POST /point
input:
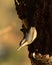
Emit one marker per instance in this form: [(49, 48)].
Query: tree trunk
[(43, 13)]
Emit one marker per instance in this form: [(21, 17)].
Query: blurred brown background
[(10, 36)]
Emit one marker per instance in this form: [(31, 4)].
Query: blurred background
[(10, 36)]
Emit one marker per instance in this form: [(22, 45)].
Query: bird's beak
[(16, 3), (30, 38)]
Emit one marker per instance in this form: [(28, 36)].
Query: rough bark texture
[(38, 13), (40, 60)]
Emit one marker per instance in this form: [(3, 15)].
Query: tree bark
[(43, 13), (38, 13)]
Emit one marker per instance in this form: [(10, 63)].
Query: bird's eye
[(17, 2)]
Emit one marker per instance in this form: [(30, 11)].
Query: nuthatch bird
[(31, 36)]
